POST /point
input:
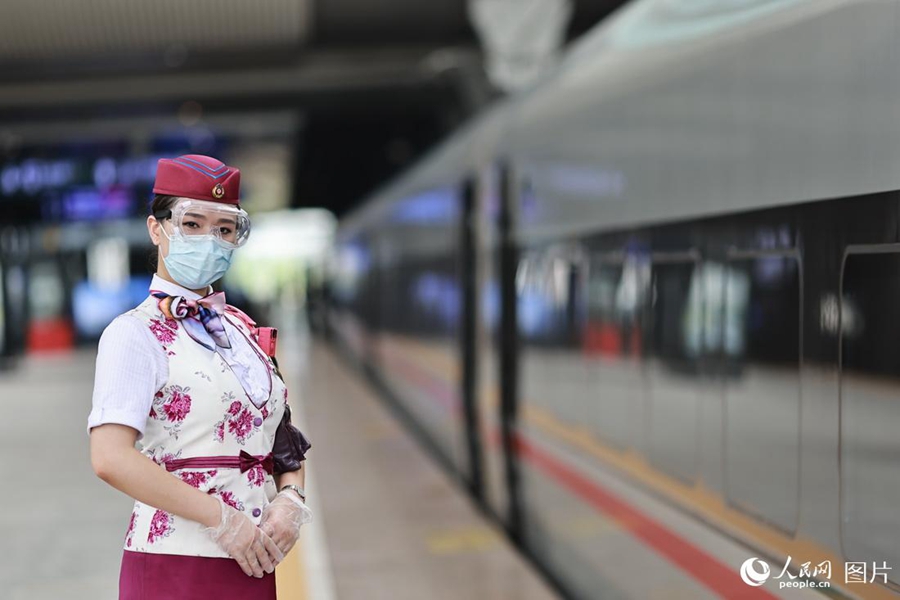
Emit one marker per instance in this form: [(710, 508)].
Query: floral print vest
[(202, 411)]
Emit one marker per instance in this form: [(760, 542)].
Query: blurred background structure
[(576, 298), (319, 102)]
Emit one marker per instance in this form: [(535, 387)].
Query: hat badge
[(218, 191)]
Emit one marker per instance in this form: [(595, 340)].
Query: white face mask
[(196, 261)]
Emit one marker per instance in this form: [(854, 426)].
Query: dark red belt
[(244, 462)]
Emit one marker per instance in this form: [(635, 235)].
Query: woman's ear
[(153, 227)]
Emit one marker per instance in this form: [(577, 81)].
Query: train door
[(493, 344), (468, 274)]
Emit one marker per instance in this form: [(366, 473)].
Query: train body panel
[(793, 104), (643, 309)]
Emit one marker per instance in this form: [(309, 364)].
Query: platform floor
[(389, 524)]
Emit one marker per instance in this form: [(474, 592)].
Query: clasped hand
[(282, 518), (242, 540)]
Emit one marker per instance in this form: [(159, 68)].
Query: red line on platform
[(700, 565)]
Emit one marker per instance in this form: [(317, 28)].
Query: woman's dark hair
[(162, 202), (159, 203)]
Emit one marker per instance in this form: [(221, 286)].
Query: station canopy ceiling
[(371, 83), (40, 38), (49, 30)]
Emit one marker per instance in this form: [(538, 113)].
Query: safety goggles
[(193, 219)]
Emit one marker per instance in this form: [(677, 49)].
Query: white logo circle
[(751, 576)]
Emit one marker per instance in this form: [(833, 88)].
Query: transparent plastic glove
[(243, 541), (282, 519)]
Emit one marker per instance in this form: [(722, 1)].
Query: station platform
[(388, 522)]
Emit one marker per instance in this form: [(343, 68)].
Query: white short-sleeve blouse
[(132, 366)]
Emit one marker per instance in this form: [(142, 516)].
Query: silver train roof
[(674, 110)]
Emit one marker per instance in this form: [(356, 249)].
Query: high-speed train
[(645, 309)]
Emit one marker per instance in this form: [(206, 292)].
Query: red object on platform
[(48, 335), (198, 177), (603, 339)]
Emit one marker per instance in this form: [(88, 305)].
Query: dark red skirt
[(169, 577)]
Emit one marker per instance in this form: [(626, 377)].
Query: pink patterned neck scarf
[(208, 310)]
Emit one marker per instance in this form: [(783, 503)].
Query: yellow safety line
[(290, 575)]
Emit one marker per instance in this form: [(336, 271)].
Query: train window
[(545, 282), (673, 364), (869, 388), (553, 376), (616, 290), (562, 292), (761, 346)]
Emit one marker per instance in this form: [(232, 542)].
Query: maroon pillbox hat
[(198, 177)]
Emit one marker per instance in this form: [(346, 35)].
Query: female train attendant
[(218, 484)]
